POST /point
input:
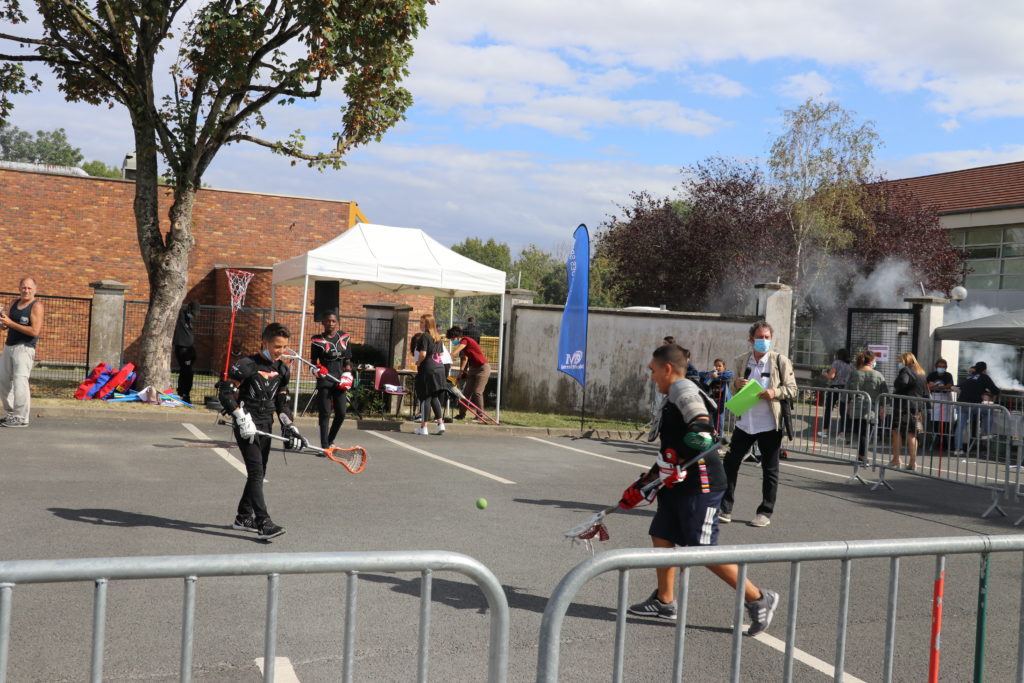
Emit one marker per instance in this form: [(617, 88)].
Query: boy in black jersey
[(331, 353), (688, 499), (262, 381)]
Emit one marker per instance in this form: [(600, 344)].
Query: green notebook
[(745, 399)]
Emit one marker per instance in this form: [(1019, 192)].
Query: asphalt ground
[(86, 487)]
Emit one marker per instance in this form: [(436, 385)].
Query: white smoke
[(886, 286), (1001, 359)]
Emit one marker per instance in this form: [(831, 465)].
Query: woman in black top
[(907, 412), (430, 380), (331, 351)]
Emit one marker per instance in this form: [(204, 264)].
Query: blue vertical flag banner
[(572, 338)]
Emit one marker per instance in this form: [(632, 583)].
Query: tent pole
[(273, 301), (451, 311), (302, 339), (501, 357)]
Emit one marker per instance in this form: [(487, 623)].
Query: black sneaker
[(269, 530), (653, 607), (761, 611), (244, 524)]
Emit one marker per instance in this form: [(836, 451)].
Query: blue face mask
[(266, 352), (902, 366), (762, 345)]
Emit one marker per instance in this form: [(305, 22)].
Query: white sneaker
[(440, 430), (421, 431), (822, 433)]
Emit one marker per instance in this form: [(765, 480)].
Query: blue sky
[(534, 116)]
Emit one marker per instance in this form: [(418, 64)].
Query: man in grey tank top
[(23, 321)]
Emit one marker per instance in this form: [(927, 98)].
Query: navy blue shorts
[(687, 520)]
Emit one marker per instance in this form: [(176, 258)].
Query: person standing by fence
[(837, 375), (762, 424), (862, 413), (23, 322), (940, 383), (184, 348), (906, 418), (973, 390), (430, 381)]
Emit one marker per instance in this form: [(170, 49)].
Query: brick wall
[(68, 231)]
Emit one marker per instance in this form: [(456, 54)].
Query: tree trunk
[(168, 280), (165, 259)]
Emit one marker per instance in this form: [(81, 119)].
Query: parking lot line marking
[(811, 469), (196, 432), (444, 460), (231, 460), (593, 455), (283, 670), (805, 658)]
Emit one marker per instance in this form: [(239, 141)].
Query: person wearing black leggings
[(332, 354)]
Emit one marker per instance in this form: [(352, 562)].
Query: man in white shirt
[(762, 424)]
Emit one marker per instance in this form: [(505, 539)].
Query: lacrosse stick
[(469, 405), (291, 355), (238, 282), (353, 459), (594, 527)]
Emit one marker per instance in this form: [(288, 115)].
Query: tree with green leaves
[(231, 63), (98, 169), (820, 165), (47, 147)]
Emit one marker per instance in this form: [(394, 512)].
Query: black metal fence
[(63, 347), (889, 332)]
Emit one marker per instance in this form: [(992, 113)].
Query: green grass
[(559, 421)]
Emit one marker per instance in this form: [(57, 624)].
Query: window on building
[(995, 256)]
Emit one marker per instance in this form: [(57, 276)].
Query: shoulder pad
[(685, 396), (241, 368)]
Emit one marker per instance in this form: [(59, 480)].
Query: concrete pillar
[(513, 297), (931, 314), (394, 344), (775, 304), (516, 297), (106, 323)]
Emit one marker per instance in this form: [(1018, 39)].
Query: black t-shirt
[(973, 389), (673, 429), (472, 331), (183, 333), (428, 348), (940, 377), (262, 390)]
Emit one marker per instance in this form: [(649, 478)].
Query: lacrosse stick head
[(589, 530), (353, 459), (238, 282)]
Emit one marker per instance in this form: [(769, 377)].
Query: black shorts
[(687, 520)]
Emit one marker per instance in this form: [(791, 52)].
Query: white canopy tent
[(1001, 328), (381, 258)]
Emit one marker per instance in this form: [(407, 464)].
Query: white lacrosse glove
[(246, 427), (668, 468)]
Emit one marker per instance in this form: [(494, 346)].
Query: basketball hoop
[(238, 282)]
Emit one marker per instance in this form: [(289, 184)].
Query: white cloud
[(717, 85), (951, 160), (801, 86), (455, 192)]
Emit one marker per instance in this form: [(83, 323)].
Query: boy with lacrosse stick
[(332, 355), (688, 499), (262, 381)]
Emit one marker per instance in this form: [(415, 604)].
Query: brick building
[(67, 231)]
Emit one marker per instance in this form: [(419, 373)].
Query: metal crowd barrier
[(974, 444), (191, 568), (794, 553)]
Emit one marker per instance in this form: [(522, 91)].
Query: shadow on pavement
[(468, 596), (120, 518)]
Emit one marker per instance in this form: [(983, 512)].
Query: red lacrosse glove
[(320, 371), (345, 381), (631, 497)]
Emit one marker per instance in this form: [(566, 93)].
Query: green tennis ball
[(481, 503)]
